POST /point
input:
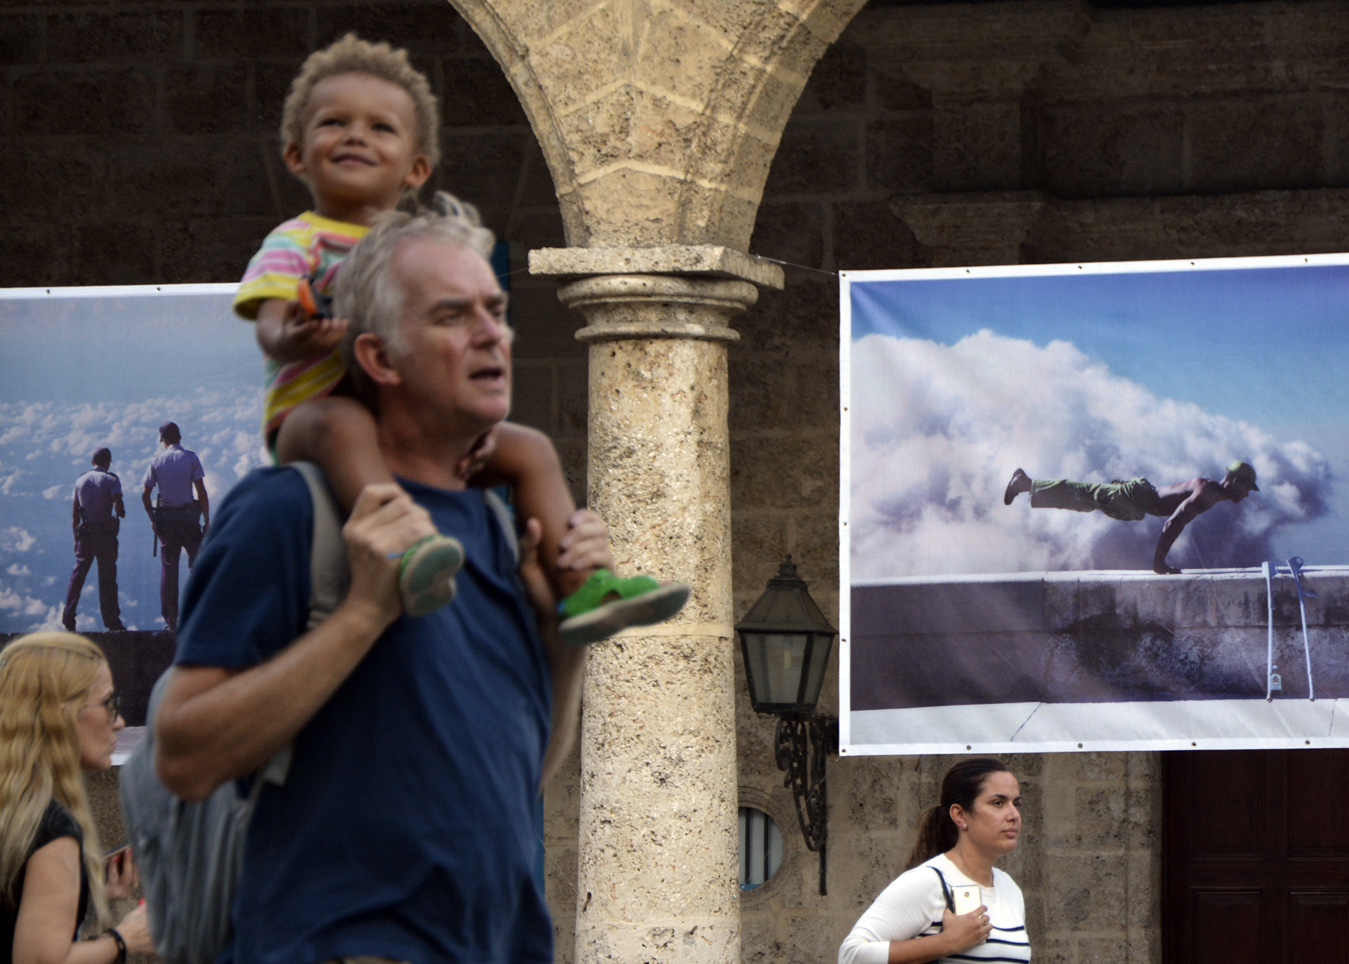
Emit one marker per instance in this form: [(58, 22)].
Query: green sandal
[(426, 574), (589, 615)]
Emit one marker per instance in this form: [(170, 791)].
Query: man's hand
[(216, 723), (584, 546), (537, 589), (384, 522), (586, 543)]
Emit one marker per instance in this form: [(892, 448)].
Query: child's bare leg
[(525, 459), (340, 435), (595, 603)]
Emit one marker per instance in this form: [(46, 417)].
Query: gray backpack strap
[(191, 854), (507, 520), (329, 574)]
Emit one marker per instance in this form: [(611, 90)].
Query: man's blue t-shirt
[(406, 826)]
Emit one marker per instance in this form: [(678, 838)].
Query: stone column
[(658, 843)]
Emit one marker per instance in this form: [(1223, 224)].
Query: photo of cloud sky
[(1165, 371), (84, 368)]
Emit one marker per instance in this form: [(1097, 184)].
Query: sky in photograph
[(957, 380), (80, 369)]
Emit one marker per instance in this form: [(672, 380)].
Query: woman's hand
[(966, 930), (135, 930), (119, 873)]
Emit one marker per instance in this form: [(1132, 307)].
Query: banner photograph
[(1095, 507), (86, 372)]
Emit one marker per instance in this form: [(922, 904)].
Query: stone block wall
[(1003, 133), (141, 147)]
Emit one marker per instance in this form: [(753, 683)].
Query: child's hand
[(304, 335), (288, 333), (472, 463)]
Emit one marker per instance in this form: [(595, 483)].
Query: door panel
[(1227, 922), (1255, 857)]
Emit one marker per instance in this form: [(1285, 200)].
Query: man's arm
[(145, 501), (584, 546), (75, 516), (1199, 502), (204, 502), (215, 724)]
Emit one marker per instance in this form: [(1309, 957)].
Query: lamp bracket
[(804, 742)]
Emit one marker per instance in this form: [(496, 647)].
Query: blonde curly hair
[(352, 55), (44, 679)]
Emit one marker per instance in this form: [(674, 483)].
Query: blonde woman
[(58, 717), (953, 905)]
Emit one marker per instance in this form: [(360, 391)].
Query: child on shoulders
[(360, 128)]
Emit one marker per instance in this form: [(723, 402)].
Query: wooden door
[(1255, 857)]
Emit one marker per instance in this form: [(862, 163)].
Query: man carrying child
[(406, 826)]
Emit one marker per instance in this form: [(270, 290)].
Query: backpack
[(190, 855)]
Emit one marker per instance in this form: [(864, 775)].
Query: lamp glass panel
[(756, 666), (784, 663), (819, 661)]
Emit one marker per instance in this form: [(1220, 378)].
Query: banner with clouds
[(83, 368), (981, 612)]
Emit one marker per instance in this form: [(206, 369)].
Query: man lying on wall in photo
[(1132, 500)]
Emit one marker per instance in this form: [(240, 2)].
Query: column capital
[(670, 291), (698, 260)]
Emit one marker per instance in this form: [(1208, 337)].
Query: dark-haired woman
[(914, 920)]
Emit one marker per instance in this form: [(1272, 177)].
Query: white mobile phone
[(967, 898)]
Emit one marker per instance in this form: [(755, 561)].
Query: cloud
[(45, 446), (9, 482), (14, 539), (16, 604), (937, 431), (19, 570), (220, 425)]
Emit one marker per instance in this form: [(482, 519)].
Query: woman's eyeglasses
[(113, 704)]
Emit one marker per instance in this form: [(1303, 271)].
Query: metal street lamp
[(786, 641)]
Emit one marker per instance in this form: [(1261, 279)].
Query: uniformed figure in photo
[(95, 515), (179, 520), (1132, 500)]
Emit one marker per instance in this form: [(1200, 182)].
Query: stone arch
[(658, 118)]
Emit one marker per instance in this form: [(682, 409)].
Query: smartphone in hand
[(967, 898)]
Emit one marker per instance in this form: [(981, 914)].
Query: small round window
[(760, 848)]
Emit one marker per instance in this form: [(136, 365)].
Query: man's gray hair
[(366, 294)]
